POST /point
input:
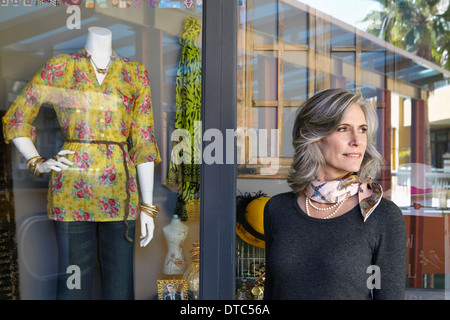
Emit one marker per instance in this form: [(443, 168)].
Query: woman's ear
[(318, 143)]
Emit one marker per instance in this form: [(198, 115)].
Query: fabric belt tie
[(127, 173)]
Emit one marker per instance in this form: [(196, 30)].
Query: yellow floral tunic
[(97, 121)]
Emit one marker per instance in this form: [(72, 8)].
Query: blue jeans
[(77, 245)]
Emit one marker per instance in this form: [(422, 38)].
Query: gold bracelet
[(31, 161), (150, 207), (150, 214), (36, 167), (151, 211), (33, 165)]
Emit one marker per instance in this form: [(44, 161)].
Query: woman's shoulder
[(276, 211), (388, 212), (281, 197), (389, 206), (280, 202)]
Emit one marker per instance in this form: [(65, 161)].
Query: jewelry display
[(338, 204), (175, 233), (100, 70), (258, 288), (31, 161), (191, 274), (151, 211), (243, 293), (33, 165)]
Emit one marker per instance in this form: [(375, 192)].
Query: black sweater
[(310, 258)]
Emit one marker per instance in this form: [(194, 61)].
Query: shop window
[(288, 51), (153, 34)]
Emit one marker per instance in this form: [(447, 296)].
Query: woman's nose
[(356, 138)]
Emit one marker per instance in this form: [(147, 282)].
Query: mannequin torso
[(99, 46), (175, 234)]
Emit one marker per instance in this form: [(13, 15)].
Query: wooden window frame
[(319, 51)]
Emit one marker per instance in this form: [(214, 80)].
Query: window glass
[(317, 45), (117, 125), (265, 25), (265, 70), (295, 29), (295, 75)]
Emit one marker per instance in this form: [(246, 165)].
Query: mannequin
[(108, 150), (99, 45), (175, 234)]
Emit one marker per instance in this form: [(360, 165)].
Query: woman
[(334, 236)]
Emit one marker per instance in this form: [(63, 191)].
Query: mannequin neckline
[(83, 52)]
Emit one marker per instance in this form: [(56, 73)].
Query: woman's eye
[(343, 129)]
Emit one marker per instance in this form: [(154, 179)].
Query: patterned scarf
[(186, 176), (369, 195)]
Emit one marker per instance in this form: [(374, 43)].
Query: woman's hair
[(319, 117)]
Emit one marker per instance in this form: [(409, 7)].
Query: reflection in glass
[(265, 118), (147, 35), (341, 37), (343, 70), (317, 50), (288, 124), (295, 29), (265, 22), (265, 76), (295, 75)]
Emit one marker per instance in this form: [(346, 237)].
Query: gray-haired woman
[(334, 236)]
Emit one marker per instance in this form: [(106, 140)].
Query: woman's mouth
[(352, 155)]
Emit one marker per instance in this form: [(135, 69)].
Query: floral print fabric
[(119, 110)]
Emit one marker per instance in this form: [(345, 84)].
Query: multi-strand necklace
[(337, 204)]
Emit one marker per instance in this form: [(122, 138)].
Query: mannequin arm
[(27, 148), (145, 173)]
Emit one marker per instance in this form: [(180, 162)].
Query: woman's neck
[(323, 177)]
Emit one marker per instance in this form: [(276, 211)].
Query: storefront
[(228, 76)]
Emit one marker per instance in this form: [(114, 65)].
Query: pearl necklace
[(324, 209), (338, 204)]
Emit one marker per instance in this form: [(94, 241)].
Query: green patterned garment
[(186, 176)]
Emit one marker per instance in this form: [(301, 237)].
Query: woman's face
[(344, 149)]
